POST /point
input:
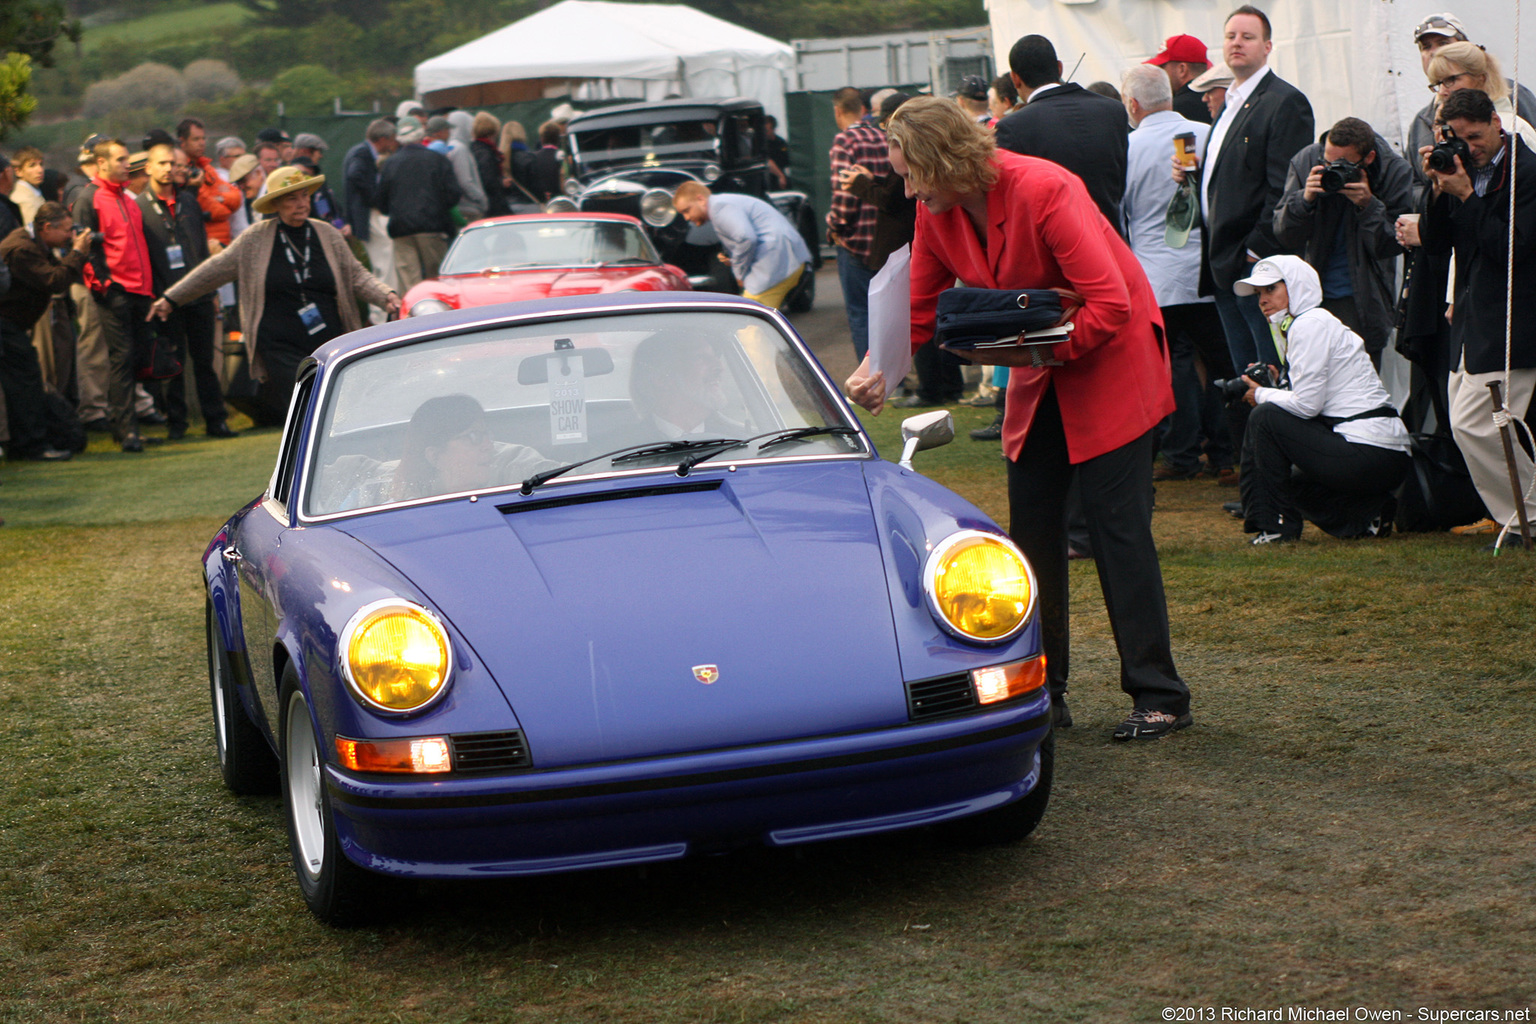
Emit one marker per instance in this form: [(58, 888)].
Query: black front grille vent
[(489, 751), (940, 696)]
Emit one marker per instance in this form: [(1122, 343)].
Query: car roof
[(660, 110), (475, 316), (517, 218)]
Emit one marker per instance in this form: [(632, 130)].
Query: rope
[(1503, 419)]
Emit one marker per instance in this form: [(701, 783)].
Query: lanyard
[(167, 218), (300, 264)]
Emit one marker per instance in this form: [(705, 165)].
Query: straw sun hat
[(285, 181)]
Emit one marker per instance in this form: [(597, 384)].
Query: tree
[(16, 103), (31, 27)]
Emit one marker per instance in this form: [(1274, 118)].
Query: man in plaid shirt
[(851, 222)]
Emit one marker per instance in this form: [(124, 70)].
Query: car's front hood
[(750, 609)]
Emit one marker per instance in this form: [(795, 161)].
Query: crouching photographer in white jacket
[(1331, 447)]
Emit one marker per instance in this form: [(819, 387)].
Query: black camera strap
[(1381, 412)]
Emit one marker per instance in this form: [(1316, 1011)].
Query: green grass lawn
[(1350, 822), (212, 20)]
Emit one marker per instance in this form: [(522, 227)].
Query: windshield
[(673, 140), (538, 243), (487, 410)]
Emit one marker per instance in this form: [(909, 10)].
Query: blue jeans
[(854, 276), (1247, 330)]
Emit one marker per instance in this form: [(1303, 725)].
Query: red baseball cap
[(1184, 48)]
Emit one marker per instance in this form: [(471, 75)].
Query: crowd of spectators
[(156, 260), (1400, 248)]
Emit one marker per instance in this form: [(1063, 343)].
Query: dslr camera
[(1340, 173), (1443, 157), (1233, 390)]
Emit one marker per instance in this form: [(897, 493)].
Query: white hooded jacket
[(1330, 373)]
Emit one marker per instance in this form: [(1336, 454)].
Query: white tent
[(600, 50), (1352, 58)]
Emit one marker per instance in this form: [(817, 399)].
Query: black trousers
[(21, 378), (1116, 490), (126, 330), (191, 330), (1342, 486), (939, 376), (1194, 330)]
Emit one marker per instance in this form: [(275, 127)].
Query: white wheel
[(337, 891)]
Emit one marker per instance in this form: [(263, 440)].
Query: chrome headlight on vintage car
[(425, 306), (395, 656), (979, 586), (572, 187), (711, 173), (560, 204), (656, 208)]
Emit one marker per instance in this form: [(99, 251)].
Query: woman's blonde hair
[(1470, 59), (484, 126), (945, 149)]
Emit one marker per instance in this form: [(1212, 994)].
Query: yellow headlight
[(980, 587), (397, 656)]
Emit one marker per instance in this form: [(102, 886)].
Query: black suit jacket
[(1084, 132), (1247, 179), (162, 230), (1191, 105), (360, 171), (1477, 228)]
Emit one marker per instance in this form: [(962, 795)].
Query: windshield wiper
[(630, 453), (773, 437)]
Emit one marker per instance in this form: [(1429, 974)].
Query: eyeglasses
[(1447, 80)]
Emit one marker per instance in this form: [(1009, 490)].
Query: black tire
[(803, 296), (245, 759), (1012, 822), (338, 892)]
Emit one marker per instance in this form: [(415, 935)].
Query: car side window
[(288, 456)]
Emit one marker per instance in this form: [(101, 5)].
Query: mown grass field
[(195, 19), (1350, 823)]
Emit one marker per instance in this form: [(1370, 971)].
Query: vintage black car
[(631, 158)]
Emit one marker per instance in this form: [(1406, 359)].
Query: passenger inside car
[(678, 385)]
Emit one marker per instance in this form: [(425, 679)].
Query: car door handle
[(233, 556)]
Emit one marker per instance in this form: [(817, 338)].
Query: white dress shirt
[(1237, 95)]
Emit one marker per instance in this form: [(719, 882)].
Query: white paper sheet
[(890, 319)]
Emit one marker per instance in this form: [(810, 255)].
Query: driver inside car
[(448, 450), (677, 385)]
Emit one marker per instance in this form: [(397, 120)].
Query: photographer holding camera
[(1340, 208), (1466, 210), (1336, 422)]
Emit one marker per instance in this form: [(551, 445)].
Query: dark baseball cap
[(973, 87), (273, 135)]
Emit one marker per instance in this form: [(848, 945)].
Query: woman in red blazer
[(994, 219)]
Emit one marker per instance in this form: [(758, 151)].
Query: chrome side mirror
[(924, 431)]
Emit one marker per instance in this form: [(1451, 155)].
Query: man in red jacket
[(121, 282), (218, 198)]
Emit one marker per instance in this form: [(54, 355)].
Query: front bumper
[(664, 808)]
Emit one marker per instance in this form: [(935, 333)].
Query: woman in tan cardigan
[(299, 287)]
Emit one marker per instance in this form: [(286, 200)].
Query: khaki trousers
[(90, 357), (418, 257), (1471, 407)]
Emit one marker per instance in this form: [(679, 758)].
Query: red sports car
[(536, 256)]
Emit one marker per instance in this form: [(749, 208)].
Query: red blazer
[(1043, 231)]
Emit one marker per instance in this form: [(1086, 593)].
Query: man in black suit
[(1066, 124), (177, 242), (1266, 122), (360, 172)]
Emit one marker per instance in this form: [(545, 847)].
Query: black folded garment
[(978, 316)]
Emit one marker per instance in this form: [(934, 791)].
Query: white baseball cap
[(1264, 272)]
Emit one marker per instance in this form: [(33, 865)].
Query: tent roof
[(598, 39)]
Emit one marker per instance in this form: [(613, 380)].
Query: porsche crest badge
[(706, 674)]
